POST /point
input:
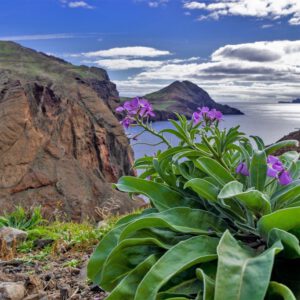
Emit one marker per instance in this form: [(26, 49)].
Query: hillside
[(60, 144), (183, 97)]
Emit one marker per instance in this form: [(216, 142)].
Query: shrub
[(224, 221), (21, 219)]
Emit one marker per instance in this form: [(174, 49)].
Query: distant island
[(183, 97), (297, 101)]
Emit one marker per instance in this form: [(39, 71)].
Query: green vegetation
[(52, 238), (223, 224), (21, 219)]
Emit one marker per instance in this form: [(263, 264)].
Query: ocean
[(270, 121)]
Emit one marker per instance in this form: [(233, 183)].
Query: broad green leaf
[(126, 256), (208, 286), (180, 219), (285, 219), (259, 142), (181, 257), (127, 287), (204, 189), (184, 289), (160, 195), (258, 170), (286, 194), (277, 146), (214, 169), (289, 241), (241, 273), (279, 290), (252, 199), (106, 245)]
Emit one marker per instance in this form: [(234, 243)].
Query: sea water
[(271, 121)]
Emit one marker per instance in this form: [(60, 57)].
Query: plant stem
[(155, 133)]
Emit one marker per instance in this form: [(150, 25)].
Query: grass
[(59, 237)]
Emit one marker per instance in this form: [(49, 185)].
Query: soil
[(52, 278)]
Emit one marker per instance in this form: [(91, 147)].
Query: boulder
[(12, 291), (12, 235)]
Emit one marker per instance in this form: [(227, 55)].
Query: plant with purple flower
[(276, 170)]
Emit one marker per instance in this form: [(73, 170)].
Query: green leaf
[(214, 169), (179, 258), (204, 189), (161, 196), (258, 170), (181, 219), (127, 287), (252, 199), (285, 219), (279, 291), (208, 286), (259, 142), (126, 256), (286, 195), (102, 251), (288, 240), (277, 146), (242, 274)]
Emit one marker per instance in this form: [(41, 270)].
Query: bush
[(21, 219), (224, 219)]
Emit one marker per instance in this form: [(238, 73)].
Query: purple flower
[(242, 169), (132, 106), (276, 170), (120, 109), (275, 166), (214, 115), (204, 110), (285, 178), (271, 172), (126, 122), (197, 117), (145, 109)]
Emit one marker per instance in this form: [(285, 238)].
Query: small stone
[(11, 235), (12, 291)]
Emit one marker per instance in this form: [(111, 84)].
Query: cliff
[(60, 144)]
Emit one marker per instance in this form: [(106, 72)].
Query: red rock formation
[(60, 144)]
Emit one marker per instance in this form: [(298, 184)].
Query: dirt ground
[(52, 278)]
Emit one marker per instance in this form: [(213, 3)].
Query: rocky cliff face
[(60, 144), (184, 98)]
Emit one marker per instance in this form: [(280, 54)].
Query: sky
[(237, 50)]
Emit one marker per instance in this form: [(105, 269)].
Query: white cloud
[(265, 26), (126, 64), (76, 4), (79, 4), (194, 5), (270, 9), (135, 51), (157, 3), (261, 70), (34, 37)]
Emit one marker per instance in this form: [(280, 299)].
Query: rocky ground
[(58, 277)]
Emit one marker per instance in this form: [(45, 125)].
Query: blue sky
[(235, 49)]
